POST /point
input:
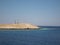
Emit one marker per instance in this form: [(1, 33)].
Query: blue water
[(44, 36)]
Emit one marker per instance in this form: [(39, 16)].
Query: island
[(18, 26)]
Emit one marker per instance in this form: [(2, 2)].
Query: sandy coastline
[(18, 26)]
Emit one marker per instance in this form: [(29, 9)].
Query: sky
[(38, 12)]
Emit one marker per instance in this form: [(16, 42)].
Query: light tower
[(16, 22)]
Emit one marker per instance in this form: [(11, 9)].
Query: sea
[(46, 35)]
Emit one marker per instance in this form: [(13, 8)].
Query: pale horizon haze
[(38, 12)]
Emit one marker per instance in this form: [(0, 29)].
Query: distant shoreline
[(21, 26), (18, 29)]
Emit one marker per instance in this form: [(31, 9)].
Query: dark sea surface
[(44, 36)]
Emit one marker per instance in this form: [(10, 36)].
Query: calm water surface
[(44, 36)]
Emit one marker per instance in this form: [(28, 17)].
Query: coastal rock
[(18, 26)]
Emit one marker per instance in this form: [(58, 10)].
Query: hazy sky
[(39, 12)]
